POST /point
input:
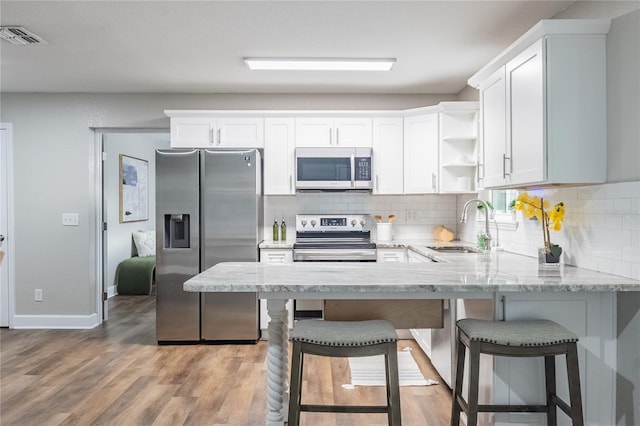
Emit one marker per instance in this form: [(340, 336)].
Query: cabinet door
[(241, 132), (388, 156), (314, 132), (187, 132), (276, 255), (591, 316), (391, 255), (493, 130), (525, 116), (353, 132), (279, 153), (421, 154)]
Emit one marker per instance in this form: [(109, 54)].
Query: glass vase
[(545, 258)]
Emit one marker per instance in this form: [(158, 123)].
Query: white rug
[(369, 371)]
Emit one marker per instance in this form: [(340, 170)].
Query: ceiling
[(198, 46)]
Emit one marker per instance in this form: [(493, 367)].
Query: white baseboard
[(111, 291), (55, 321)]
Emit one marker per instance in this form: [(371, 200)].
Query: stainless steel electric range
[(330, 238)]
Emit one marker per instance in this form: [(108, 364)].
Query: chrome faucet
[(463, 218)]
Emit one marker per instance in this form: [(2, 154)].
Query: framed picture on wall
[(134, 189)]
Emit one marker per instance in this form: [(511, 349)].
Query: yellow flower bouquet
[(551, 220)]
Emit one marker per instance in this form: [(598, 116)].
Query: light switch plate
[(70, 219)]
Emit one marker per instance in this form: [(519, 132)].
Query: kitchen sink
[(453, 249)]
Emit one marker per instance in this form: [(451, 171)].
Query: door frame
[(100, 206), (9, 260)]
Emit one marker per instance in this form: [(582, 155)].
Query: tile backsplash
[(416, 215), (601, 230)]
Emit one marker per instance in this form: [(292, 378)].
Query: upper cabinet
[(388, 155), (421, 154), (203, 131), (279, 153), (458, 147), (543, 107), (330, 131)]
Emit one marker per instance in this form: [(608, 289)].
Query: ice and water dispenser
[(176, 231)]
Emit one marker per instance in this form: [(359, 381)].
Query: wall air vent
[(20, 35)]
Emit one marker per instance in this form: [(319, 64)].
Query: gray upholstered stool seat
[(521, 338), (345, 339)]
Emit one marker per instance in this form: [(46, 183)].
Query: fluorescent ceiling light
[(320, 64)]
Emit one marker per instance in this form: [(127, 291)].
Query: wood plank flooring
[(116, 374)]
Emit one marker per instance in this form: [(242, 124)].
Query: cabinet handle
[(290, 182), (330, 136), (478, 166), (503, 301), (211, 138), (377, 183), (433, 181), (337, 136), (504, 166), (219, 137)]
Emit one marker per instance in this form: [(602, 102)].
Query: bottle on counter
[(283, 231), (276, 230)]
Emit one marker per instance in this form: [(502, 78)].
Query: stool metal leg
[(474, 383), (575, 397), (295, 392), (550, 381), (393, 385), (457, 389)]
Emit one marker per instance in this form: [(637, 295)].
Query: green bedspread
[(136, 275)]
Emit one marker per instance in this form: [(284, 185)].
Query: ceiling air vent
[(20, 35)]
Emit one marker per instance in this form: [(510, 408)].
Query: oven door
[(305, 309)]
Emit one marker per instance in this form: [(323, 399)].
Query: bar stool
[(522, 338), (345, 339)]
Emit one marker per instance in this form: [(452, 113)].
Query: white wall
[(138, 145), (54, 163), (416, 215)]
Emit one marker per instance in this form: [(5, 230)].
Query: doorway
[(6, 226), (117, 243)]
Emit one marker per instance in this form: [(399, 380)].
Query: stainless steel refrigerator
[(208, 210)]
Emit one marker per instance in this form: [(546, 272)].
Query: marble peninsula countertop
[(487, 272)]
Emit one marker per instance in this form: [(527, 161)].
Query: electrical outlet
[(38, 295), (70, 219)]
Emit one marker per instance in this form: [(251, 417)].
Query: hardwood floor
[(116, 374)]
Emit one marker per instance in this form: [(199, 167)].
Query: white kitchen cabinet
[(493, 130), (217, 132), (279, 156), (421, 154), (388, 155), (546, 97), (274, 255), (333, 131), (458, 131), (391, 255), (591, 316)]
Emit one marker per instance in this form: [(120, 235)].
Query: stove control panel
[(333, 222)]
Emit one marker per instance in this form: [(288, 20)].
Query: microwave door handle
[(353, 170)]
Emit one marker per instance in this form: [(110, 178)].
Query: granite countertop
[(270, 244), (471, 272)]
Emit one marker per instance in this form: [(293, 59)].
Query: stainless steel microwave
[(333, 169)]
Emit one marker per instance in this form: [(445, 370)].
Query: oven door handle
[(310, 255)]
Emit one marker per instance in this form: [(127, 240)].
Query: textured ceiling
[(198, 46)]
